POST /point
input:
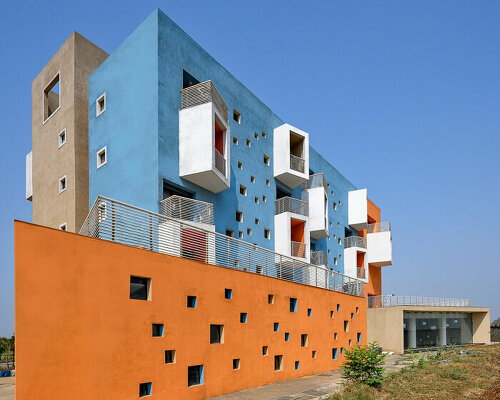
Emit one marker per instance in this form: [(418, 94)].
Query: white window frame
[(59, 138), (65, 225), (97, 112), (65, 184), (105, 150), (43, 98)]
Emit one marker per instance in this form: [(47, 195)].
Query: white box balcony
[(355, 257), (379, 244), (291, 155), (357, 208), (204, 151), (29, 176), (314, 192), (291, 228)]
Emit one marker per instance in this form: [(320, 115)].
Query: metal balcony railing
[(202, 93), (297, 163), (220, 162), (379, 227), (122, 223), (388, 301), (186, 209), (298, 249), (319, 258), (290, 204), (361, 273), (316, 180), (355, 241)]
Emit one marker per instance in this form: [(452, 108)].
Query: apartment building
[(234, 254)]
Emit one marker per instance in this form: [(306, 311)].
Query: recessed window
[(145, 389), (235, 141), (140, 288), (264, 135), (334, 206), (102, 157), (257, 221), (256, 200), (228, 294), (309, 312), (278, 363), (338, 307), (229, 233), (270, 298), (266, 160), (340, 202), (195, 375), (264, 199), (304, 338), (239, 216), (240, 234), (259, 269), (332, 314), (338, 224), (249, 232), (335, 336), (236, 363), (297, 364), (341, 350), (62, 137), (346, 326), (51, 98), (287, 336), (240, 165), (335, 260), (252, 179), (256, 136), (265, 350), (237, 116), (216, 334), (157, 330), (358, 337), (350, 341), (101, 211), (334, 354), (328, 251), (169, 356), (243, 317), (243, 190), (293, 304), (267, 234), (63, 226), (100, 104), (268, 182), (62, 184), (191, 301), (352, 315), (339, 240), (276, 327), (357, 310), (249, 143), (313, 354)]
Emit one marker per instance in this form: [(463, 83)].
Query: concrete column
[(442, 331), (412, 332)]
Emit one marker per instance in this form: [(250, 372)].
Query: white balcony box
[(204, 151), (357, 208), (29, 176), (379, 244), (314, 193), (355, 257), (291, 155)]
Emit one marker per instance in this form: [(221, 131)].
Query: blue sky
[(402, 97)]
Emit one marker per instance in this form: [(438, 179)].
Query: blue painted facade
[(142, 80)]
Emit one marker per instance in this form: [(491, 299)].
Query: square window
[(236, 363), (216, 334), (256, 200), (278, 363), (229, 233), (276, 327), (293, 304), (169, 356), (297, 364), (309, 312), (249, 143), (228, 294), (63, 226), (335, 336), (358, 337), (267, 234), (102, 157), (240, 234), (313, 354), (287, 336), (270, 298), (243, 190), (239, 216), (264, 135), (62, 184), (157, 330), (100, 104), (145, 389), (51, 98), (346, 326), (304, 338), (265, 350), (195, 375), (334, 354), (240, 165), (237, 116), (252, 179), (266, 160), (243, 317), (62, 137), (191, 301), (257, 221), (235, 141), (140, 288), (249, 232)]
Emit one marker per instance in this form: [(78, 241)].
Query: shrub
[(364, 364)]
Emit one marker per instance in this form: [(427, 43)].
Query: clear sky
[(402, 97)]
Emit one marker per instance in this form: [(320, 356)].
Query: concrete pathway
[(7, 388), (305, 388)]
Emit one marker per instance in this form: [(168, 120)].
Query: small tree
[(364, 364)]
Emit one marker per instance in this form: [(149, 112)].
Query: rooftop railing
[(297, 163), (129, 225), (290, 204), (379, 227), (220, 162), (389, 301), (186, 209), (202, 93), (316, 180), (319, 258), (361, 273), (354, 241)]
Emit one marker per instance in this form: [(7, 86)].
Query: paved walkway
[(7, 388), (305, 388)]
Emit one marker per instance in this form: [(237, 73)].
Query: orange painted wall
[(374, 286), (297, 230), (219, 138), (79, 336)]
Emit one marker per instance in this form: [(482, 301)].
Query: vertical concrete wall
[(74, 62), (80, 336)]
